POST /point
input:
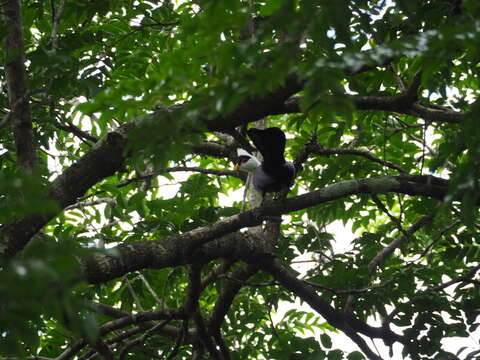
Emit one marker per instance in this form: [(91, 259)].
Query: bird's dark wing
[(271, 144), (282, 177)]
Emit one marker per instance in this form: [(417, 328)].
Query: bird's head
[(246, 162)]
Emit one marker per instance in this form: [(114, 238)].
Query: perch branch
[(180, 249)]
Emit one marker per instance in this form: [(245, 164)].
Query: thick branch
[(17, 85), (201, 243), (167, 252), (256, 108), (107, 157), (213, 149), (401, 104), (103, 160)]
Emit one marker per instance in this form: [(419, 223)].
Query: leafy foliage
[(362, 88)]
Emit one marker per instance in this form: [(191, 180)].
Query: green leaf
[(326, 341)]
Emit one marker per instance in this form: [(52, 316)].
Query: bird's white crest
[(242, 152), (249, 165)]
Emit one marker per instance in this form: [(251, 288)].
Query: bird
[(273, 174), (246, 161)]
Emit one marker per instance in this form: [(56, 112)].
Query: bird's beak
[(237, 167)]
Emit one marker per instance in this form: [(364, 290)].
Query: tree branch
[(141, 339), (228, 293), (313, 147), (107, 157), (256, 108), (193, 309), (465, 277), (103, 160), (235, 173), (399, 240), (108, 310), (341, 320), (220, 240), (137, 318), (16, 79), (397, 222), (179, 340), (103, 350), (27, 358), (82, 204), (56, 22), (402, 104), (214, 149), (69, 127)]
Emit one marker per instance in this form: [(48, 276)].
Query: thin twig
[(82, 204), (151, 291), (179, 341), (56, 23), (315, 148), (348, 291), (245, 283), (397, 242), (132, 292), (463, 278), (216, 273), (69, 127), (399, 81), (141, 27), (142, 338), (382, 207), (438, 237), (234, 173)]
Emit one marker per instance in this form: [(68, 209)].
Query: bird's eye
[(243, 159)]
